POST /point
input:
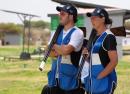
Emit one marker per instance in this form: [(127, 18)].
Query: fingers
[(85, 51)]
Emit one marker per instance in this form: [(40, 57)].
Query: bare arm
[(111, 66), (75, 43), (63, 49)]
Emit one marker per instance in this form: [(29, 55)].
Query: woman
[(101, 76)]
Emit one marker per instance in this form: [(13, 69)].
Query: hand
[(100, 76), (55, 46), (85, 51), (53, 52), (57, 49)]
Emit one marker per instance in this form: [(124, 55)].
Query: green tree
[(10, 27), (38, 24)]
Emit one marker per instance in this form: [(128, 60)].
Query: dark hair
[(75, 18), (74, 15), (108, 21)]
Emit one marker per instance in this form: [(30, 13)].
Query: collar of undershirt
[(66, 32)]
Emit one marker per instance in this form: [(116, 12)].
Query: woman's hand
[(85, 51), (111, 66)]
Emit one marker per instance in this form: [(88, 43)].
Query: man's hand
[(53, 53)]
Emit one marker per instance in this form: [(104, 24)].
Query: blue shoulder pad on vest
[(66, 40), (98, 43)]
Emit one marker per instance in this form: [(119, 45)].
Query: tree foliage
[(17, 28), (38, 24), (10, 27)]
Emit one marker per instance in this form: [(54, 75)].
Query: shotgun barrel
[(50, 46)]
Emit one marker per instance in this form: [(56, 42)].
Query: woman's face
[(97, 21)]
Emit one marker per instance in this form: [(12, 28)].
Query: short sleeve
[(76, 39), (110, 42)]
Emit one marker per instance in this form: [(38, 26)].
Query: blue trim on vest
[(66, 40), (67, 79), (98, 43), (52, 74), (99, 86)]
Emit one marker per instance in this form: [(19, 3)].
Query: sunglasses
[(62, 13), (95, 17)]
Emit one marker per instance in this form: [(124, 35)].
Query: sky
[(37, 7), (44, 7), (124, 4)]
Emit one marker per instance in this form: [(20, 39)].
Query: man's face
[(97, 21), (64, 17)]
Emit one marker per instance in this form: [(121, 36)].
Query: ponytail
[(108, 22)]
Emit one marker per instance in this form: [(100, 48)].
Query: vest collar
[(98, 43)]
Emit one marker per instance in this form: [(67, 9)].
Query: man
[(103, 56), (64, 70)]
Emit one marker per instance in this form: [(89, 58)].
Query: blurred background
[(26, 27)]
